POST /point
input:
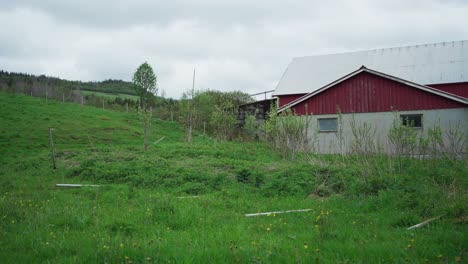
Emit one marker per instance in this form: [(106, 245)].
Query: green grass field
[(137, 216)]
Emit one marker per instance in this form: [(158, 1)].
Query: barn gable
[(366, 90)]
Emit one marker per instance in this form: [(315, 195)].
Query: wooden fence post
[(52, 154)]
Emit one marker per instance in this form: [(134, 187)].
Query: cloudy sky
[(234, 45)]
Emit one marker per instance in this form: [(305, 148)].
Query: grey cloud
[(240, 45)]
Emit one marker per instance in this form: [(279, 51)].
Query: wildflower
[(121, 245), (316, 226), (268, 229), (412, 240), (305, 245), (354, 222), (148, 259), (457, 259), (409, 246), (317, 250)]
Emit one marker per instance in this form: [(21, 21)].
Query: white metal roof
[(445, 62)]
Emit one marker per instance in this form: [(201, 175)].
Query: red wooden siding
[(367, 92), (460, 89), (286, 99)]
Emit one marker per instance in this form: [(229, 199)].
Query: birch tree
[(145, 83)]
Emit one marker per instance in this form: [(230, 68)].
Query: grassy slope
[(110, 96), (137, 215)]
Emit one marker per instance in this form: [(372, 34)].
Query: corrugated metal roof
[(436, 63)]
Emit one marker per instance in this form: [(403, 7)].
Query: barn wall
[(327, 142), (286, 99), (460, 89), (367, 92)]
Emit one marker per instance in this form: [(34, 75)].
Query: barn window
[(414, 120), (328, 124)]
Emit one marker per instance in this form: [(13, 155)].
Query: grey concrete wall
[(328, 142)]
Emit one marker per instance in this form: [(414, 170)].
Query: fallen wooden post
[(69, 185), (278, 212), (159, 140), (423, 223), (185, 197)]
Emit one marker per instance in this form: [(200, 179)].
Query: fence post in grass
[(52, 154), (63, 97), (103, 104), (82, 100), (204, 128), (127, 107)]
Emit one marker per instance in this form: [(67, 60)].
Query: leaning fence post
[(52, 154)]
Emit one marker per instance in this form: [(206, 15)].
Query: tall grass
[(137, 217)]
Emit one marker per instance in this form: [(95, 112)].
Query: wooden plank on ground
[(423, 223), (70, 185), (186, 197), (278, 212)]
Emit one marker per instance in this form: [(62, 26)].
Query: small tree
[(144, 80)]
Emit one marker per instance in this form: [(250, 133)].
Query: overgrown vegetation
[(137, 215)]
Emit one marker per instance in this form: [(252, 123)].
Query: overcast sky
[(234, 45)]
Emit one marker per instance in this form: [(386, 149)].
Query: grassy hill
[(146, 211)]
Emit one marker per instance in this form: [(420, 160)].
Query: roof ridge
[(382, 49)]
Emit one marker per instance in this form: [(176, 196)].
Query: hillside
[(185, 203)]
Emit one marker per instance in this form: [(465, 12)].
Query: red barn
[(424, 84)]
